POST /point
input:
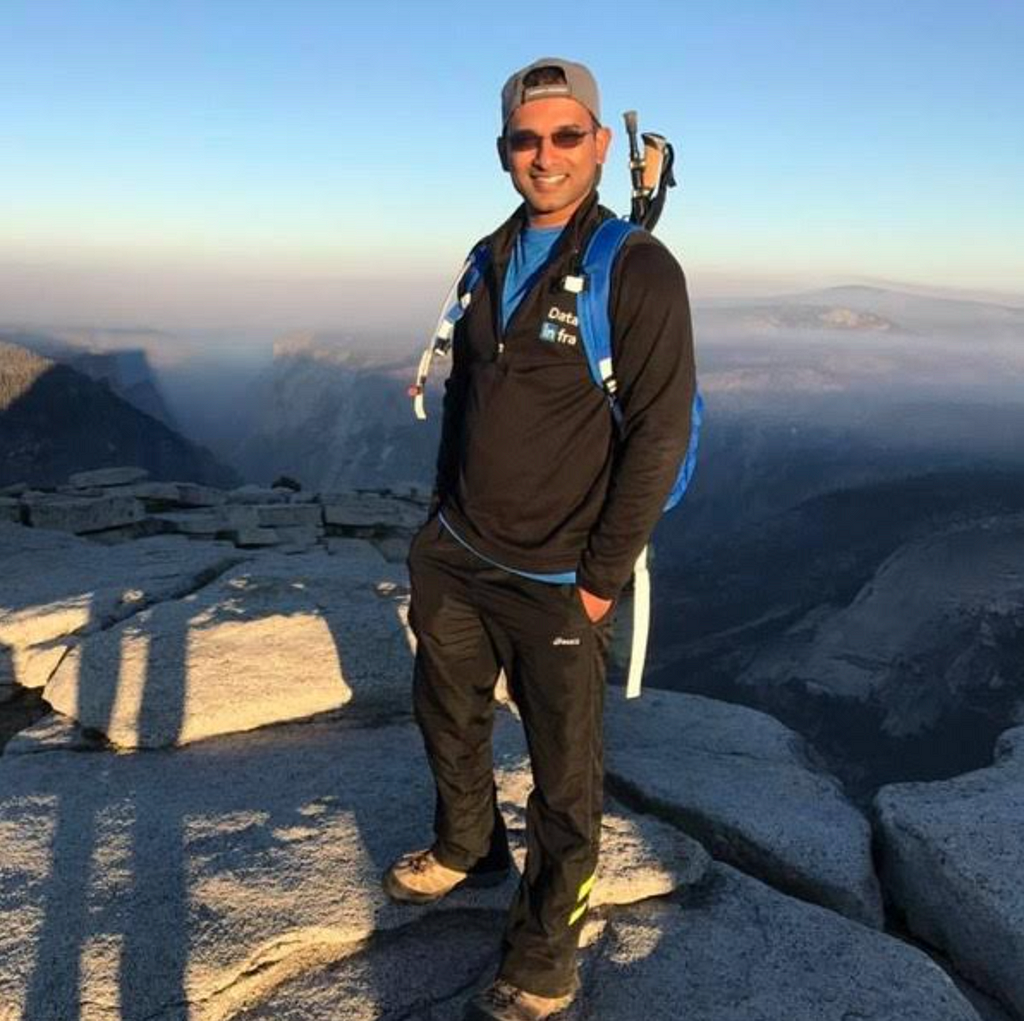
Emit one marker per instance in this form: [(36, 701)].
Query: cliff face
[(338, 419), (127, 374), (55, 420), (202, 824), (126, 371)]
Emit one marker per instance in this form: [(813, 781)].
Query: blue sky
[(172, 148)]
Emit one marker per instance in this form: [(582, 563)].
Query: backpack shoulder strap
[(478, 260), (460, 294), (595, 317)]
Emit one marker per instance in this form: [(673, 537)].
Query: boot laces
[(420, 862), (504, 994)]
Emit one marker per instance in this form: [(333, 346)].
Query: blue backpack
[(596, 333)]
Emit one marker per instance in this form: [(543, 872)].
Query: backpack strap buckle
[(608, 380)]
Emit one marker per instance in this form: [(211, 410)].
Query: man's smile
[(543, 181)]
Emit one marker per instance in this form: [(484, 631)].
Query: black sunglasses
[(563, 138)]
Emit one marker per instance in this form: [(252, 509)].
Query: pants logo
[(565, 641)]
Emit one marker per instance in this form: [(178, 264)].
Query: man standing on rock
[(542, 506)]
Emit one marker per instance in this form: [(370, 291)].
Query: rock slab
[(953, 858), (249, 650), (275, 638), (56, 586), (742, 783), (108, 477), (734, 949), (84, 515), (369, 510)]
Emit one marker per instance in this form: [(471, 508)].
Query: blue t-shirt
[(530, 255)]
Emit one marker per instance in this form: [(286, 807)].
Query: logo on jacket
[(554, 332)]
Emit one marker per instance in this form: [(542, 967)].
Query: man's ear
[(502, 155)]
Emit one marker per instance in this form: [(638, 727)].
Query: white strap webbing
[(421, 376), (443, 331), (641, 624)]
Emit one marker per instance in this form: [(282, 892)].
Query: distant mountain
[(937, 626), (55, 420), (874, 310), (882, 619), (335, 417), (773, 318), (923, 313)]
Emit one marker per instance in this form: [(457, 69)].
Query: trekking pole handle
[(637, 164)]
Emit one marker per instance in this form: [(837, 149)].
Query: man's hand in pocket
[(595, 606)]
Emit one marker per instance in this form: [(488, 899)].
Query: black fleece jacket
[(532, 471)]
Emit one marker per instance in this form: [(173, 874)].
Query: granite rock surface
[(953, 858), (746, 786)]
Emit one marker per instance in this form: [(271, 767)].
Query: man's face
[(554, 180)]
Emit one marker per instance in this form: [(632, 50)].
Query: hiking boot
[(502, 1001), (419, 878)]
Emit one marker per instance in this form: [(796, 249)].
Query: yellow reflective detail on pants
[(579, 911), (586, 886)]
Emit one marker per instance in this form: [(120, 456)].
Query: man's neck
[(542, 221)]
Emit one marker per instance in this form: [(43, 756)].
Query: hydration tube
[(442, 342)]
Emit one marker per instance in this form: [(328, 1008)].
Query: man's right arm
[(654, 364)]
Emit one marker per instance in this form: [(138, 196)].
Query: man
[(542, 506)]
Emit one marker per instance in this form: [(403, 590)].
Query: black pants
[(472, 619)]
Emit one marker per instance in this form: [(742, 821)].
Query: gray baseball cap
[(579, 84)]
